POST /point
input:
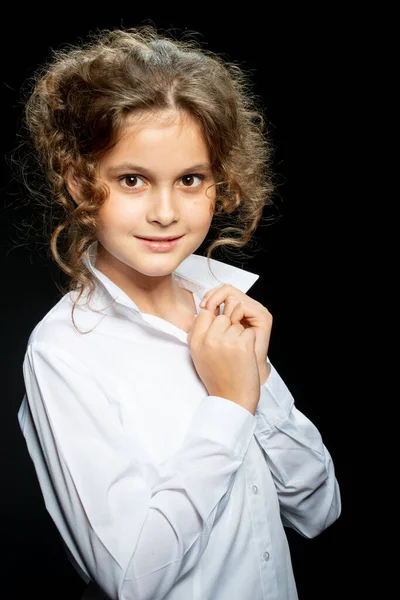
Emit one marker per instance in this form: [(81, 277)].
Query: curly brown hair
[(77, 105)]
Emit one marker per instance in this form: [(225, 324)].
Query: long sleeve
[(135, 538), (300, 464)]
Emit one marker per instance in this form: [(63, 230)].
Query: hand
[(240, 308), (223, 354)]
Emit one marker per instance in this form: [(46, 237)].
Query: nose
[(163, 205)]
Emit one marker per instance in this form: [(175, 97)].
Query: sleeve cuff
[(275, 403), (222, 421)]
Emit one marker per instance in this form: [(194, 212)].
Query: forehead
[(172, 122), (165, 138)]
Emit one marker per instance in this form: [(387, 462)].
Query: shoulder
[(57, 329)]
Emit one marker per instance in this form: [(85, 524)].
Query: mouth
[(160, 245), (159, 239)]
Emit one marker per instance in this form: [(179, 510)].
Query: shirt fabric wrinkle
[(157, 489)]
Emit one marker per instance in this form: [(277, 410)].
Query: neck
[(154, 295)]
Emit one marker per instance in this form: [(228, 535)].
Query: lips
[(168, 239), (160, 245)]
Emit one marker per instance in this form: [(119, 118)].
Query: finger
[(238, 312), (249, 335), (215, 312), (245, 314), (251, 307), (218, 295), (201, 324), (208, 294), (219, 326), (229, 305), (234, 330)]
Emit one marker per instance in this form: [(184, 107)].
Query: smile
[(160, 245)]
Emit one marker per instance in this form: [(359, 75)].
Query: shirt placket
[(258, 506)]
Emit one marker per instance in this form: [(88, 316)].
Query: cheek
[(116, 213), (200, 213), (207, 206)]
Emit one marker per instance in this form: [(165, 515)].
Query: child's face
[(158, 175)]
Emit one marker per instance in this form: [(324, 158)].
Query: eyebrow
[(130, 168)]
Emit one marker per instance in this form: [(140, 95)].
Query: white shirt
[(158, 490)]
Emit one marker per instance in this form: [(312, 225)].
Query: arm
[(300, 465), (138, 530)]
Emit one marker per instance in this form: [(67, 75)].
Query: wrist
[(264, 372)]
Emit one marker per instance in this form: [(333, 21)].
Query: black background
[(299, 68)]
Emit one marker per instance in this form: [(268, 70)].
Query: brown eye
[(131, 181), (190, 180)]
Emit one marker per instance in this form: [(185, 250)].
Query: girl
[(168, 449)]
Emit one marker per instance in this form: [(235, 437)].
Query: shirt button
[(266, 556), (254, 489)]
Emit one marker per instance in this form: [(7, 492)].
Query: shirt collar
[(193, 273)]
